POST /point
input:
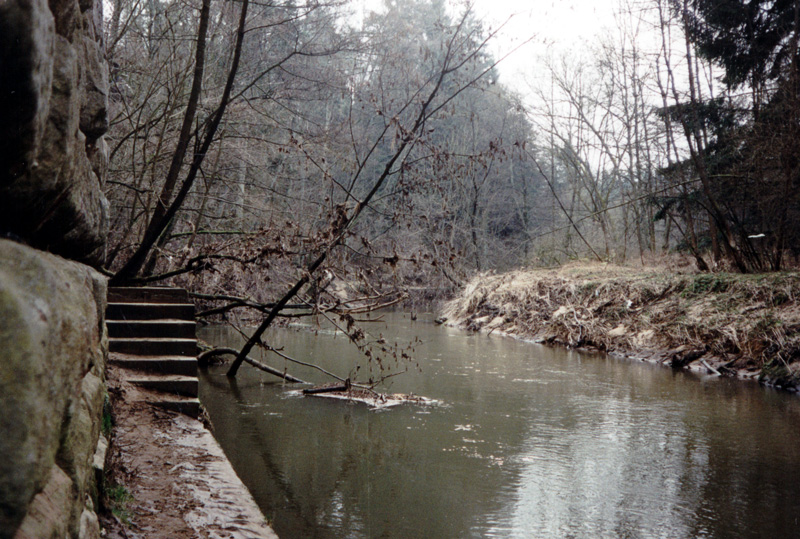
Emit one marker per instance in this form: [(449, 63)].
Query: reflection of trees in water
[(248, 456), (305, 496), (361, 470), (324, 466), (585, 442), (661, 455)]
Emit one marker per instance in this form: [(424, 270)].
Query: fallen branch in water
[(710, 368), (369, 397), (265, 346), (372, 307), (327, 389), (303, 363), (204, 357), (234, 302)]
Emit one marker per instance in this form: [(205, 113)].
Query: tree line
[(678, 133), (261, 150)]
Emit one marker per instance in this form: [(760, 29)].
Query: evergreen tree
[(751, 156)]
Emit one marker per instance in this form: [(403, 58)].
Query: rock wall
[(52, 333), (53, 105), (53, 101)]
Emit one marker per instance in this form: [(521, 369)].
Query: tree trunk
[(158, 225)]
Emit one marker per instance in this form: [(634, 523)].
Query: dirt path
[(180, 483)]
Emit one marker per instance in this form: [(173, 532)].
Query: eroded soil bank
[(734, 325)]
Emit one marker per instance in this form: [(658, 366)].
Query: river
[(524, 441)]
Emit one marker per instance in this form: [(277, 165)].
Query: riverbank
[(168, 477), (728, 324)]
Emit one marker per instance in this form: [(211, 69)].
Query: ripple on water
[(563, 446)]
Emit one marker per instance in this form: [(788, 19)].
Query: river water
[(525, 441)]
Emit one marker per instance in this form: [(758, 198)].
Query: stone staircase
[(152, 341)]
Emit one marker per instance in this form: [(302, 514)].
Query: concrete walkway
[(181, 483)]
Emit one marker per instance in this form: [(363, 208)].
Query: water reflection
[(530, 442)]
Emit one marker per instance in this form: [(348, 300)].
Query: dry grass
[(737, 324)]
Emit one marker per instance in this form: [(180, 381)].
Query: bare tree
[(414, 111)]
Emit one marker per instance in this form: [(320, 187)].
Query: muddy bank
[(727, 324)]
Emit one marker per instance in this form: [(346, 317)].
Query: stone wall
[(53, 105), (53, 101)]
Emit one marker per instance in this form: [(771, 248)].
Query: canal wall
[(53, 221), (724, 324)]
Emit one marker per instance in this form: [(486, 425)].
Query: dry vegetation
[(731, 324), (236, 288)]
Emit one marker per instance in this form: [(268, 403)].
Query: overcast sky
[(554, 25), (565, 26)]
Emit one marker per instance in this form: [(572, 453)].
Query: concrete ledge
[(177, 329), (181, 483), (150, 311), (170, 383), (147, 294), (223, 502), (184, 365), (154, 346)]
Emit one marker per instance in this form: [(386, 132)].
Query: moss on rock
[(50, 387)]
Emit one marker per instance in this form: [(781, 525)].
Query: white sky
[(555, 26), (565, 26), (561, 22)]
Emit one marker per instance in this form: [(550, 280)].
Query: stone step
[(150, 311), (189, 406), (182, 329), (147, 294), (153, 347), (152, 337), (186, 386), (186, 366)]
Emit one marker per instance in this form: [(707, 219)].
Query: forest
[(271, 154), (632, 200)]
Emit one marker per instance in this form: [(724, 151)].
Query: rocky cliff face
[(53, 96), (52, 372), (53, 101)]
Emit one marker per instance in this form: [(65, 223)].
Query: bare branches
[(408, 137), (561, 205), (161, 218), (359, 305), (204, 356)]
